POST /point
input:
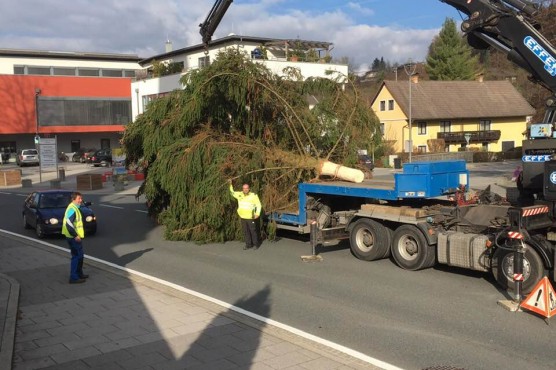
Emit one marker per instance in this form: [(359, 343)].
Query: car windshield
[(30, 152), (55, 200)]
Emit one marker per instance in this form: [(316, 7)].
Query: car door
[(30, 209)]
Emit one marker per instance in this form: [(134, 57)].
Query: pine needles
[(237, 120)]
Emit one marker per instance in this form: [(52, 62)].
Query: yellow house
[(479, 115)]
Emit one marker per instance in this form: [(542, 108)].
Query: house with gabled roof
[(459, 115)]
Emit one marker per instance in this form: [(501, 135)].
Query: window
[(19, 70), (129, 73), (422, 128), (204, 61), (111, 73), (445, 126), (484, 125), (60, 71), (382, 105), (87, 112), (88, 72), (382, 129), (422, 149), (38, 70), (391, 104)]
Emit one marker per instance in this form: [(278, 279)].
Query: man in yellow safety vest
[(249, 210), (72, 229)]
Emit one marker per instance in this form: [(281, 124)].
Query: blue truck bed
[(418, 180)]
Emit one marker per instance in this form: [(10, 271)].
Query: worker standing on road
[(249, 210), (72, 229)]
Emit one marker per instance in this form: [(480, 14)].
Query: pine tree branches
[(235, 119)]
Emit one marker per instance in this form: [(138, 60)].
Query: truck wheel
[(410, 249), (369, 240), (502, 268)]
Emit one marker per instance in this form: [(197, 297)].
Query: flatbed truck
[(415, 220)]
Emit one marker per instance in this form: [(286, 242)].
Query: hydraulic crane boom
[(508, 26), (213, 19)]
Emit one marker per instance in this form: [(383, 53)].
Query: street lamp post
[(409, 68), (37, 93)]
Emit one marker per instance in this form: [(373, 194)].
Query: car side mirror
[(87, 204)]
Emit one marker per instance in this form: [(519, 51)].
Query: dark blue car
[(44, 211)]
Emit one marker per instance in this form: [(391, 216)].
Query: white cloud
[(142, 26), (360, 9)]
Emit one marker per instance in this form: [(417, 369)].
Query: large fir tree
[(236, 120), (450, 57)]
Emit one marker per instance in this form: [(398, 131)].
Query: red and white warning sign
[(542, 299)]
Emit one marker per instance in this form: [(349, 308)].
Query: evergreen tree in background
[(450, 57)]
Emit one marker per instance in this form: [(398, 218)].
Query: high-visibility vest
[(248, 205), (78, 223)]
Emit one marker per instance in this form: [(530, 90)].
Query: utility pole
[(409, 68)]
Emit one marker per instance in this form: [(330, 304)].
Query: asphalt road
[(439, 318)]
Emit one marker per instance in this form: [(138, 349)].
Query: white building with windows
[(311, 58)]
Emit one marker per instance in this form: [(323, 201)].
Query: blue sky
[(360, 30)]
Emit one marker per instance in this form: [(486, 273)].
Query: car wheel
[(25, 223), (39, 230)]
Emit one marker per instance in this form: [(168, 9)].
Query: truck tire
[(410, 249), (370, 240), (502, 268)]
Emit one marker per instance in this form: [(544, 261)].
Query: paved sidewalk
[(72, 170), (124, 320)]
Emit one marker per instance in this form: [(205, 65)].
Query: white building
[(275, 54)]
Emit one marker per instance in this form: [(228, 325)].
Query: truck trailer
[(422, 218)]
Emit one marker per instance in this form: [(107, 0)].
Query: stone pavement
[(121, 319)]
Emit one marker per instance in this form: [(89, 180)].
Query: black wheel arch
[(544, 248)]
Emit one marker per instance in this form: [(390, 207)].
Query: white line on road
[(301, 333), (109, 206), (142, 211)]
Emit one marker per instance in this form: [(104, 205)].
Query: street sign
[(542, 299), (467, 138), (47, 153)]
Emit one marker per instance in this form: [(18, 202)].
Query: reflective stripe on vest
[(77, 225)]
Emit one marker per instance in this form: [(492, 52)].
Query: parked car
[(44, 211), (83, 155), (27, 157), (102, 157), (366, 161)]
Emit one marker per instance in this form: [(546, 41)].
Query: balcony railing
[(474, 136)]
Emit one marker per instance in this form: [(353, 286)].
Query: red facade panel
[(17, 100)]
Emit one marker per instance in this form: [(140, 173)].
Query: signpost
[(47, 155), (467, 137)]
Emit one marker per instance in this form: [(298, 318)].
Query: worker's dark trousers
[(250, 232), (76, 265)]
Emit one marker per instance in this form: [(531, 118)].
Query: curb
[(9, 323)]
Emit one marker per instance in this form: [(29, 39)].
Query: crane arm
[(213, 19), (508, 26)]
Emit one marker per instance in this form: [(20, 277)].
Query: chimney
[(480, 77), (168, 46), (415, 78)]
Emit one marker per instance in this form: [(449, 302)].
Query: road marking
[(140, 210), (109, 206), (301, 333), (1, 192)]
